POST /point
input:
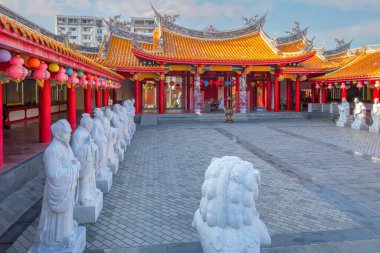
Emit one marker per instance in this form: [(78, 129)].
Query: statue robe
[(57, 226)]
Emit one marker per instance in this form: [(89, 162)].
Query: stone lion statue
[(227, 220)]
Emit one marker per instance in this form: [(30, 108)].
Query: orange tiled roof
[(295, 46), (365, 66), (247, 49), (119, 55), (52, 44)]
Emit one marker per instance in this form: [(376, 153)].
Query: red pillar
[(343, 93), (269, 93), (98, 97), (375, 94), (237, 92), (161, 103), (324, 92), (45, 112), (87, 100), (72, 107), (188, 91), (313, 93), (137, 96), (298, 95), (289, 95), (276, 93), (1, 128)]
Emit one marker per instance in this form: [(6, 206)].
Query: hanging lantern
[(69, 71), (253, 84), (41, 74), (171, 83), (61, 76), (73, 80), (216, 83), (16, 71), (97, 82), (359, 85), (205, 83), (83, 81), (5, 55), (53, 67), (377, 84), (178, 85), (227, 83), (90, 79), (343, 85), (80, 73), (211, 82), (330, 86), (317, 86), (33, 62)]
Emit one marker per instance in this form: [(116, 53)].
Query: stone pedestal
[(104, 184), (374, 129), (90, 212), (341, 123), (77, 247), (114, 165)]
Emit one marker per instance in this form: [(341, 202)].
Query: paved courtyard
[(319, 183)]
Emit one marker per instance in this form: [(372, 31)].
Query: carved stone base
[(359, 127), (114, 165), (89, 213), (374, 129), (104, 184), (77, 247), (343, 123)]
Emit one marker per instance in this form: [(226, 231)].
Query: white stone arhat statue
[(103, 174), (344, 114), (360, 112), (124, 122), (121, 145), (111, 133), (57, 231), (227, 220), (89, 199), (129, 119), (375, 113)]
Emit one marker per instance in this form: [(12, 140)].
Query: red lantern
[(359, 85), (83, 81), (41, 74), (178, 84), (343, 86), (317, 86), (330, 86), (90, 79), (33, 62), (16, 71), (211, 82), (216, 83), (171, 83), (61, 76)]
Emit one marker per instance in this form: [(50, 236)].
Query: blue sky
[(328, 19)]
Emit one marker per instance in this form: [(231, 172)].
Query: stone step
[(149, 120), (19, 209)]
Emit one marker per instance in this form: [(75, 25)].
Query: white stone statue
[(89, 199), (227, 220), (103, 174), (57, 230), (111, 133), (359, 116), (132, 126), (121, 145), (124, 123), (344, 114), (375, 113), (221, 104)]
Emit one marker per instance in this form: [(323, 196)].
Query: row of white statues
[(360, 115), (78, 172)]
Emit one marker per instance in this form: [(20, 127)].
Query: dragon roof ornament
[(124, 33), (11, 14), (295, 34), (206, 34), (341, 47)]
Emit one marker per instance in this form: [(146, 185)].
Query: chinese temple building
[(177, 69)]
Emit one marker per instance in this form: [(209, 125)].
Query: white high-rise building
[(142, 25), (81, 30)]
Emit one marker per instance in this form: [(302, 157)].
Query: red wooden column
[(269, 92), (298, 95), (375, 94), (1, 128), (343, 93), (137, 95), (237, 92), (87, 99), (161, 102), (45, 112), (276, 88), (324, 92), (289, 95), (188, 92), (72, 107), (313, 93), (98, 97)]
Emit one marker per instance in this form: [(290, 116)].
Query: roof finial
[(249, 21)]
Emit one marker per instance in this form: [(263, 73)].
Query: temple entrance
[(150, 95), (174, 92)]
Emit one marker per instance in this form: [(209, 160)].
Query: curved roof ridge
[(341, 47), (194, 33)]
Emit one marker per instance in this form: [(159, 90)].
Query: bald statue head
[(61, 131), (86, 121), (356, 100), (98, 113), (344, 100)]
